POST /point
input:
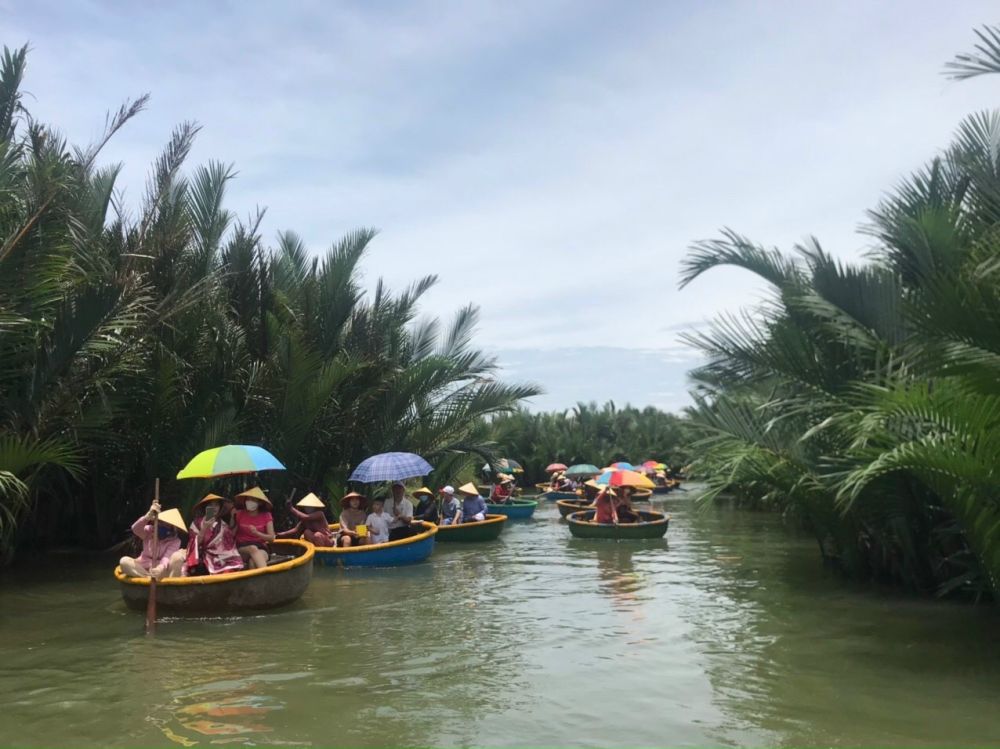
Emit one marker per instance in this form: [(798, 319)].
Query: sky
[(551, 160)]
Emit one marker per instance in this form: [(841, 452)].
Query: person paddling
[(604, 503), (170, 524)]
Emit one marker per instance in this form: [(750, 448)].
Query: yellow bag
[(361, 530)]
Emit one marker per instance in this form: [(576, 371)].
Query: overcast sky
[(550, 160)]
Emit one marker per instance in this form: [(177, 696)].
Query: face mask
[(251, 505), (164, 532)]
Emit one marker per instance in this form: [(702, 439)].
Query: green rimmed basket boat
[(481, 530), (569, 506), (653, 525), (518, 509)]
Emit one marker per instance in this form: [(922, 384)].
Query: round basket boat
[(276, 585), (569, 506), (641, 494), (653, 525), (479, 530), (389, 554), (553, 496), (518, 509)]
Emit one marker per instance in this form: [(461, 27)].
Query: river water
[(727, 632)]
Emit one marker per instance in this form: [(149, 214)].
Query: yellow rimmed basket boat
[(231, 592), (410, 550), (478, 530)]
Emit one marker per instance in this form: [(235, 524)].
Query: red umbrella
[(553, 467)]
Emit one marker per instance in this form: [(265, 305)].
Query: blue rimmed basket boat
[(389, 554)]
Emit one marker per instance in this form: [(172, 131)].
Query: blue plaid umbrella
[(391, 467)]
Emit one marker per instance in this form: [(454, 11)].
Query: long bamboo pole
[(151, 602)]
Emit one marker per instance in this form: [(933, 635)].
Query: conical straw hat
[(469, 489), (208, 498), (255, 493), (173, 517), (310, 500)]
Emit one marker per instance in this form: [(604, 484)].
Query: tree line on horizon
[(587, 433), (863, 398)]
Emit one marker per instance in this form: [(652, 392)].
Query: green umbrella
[(582, 469)]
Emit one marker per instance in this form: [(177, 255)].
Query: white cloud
[(552, 161)]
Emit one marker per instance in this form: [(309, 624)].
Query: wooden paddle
[(151, 602)]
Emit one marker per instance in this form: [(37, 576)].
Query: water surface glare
[(727, 632)]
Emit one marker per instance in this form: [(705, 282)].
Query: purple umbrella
[(391, 467)]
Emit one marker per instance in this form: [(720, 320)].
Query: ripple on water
[(727, 632)]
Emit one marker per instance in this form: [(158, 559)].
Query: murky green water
[(728, 632)]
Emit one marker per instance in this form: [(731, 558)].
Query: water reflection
[(730, 633)]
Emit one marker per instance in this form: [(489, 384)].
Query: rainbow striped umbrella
[(624, 478), (229, 460)]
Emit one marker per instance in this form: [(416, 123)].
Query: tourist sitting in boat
[(473, 506), (168, 543), (312, 524), (352, 514), (401, 509), (426, 506), (604, 503), (377, 522), (211, 545), (451, 510), (254, 527), (503, 491), (623, 507), (590, 490)]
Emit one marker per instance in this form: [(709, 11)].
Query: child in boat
[(313, 525), (254, 527), (378, 523), (352, 514), (168, 543), (212, 539), (450, 508), (427, 506), (473, 506)]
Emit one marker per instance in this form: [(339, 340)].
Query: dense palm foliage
[(588, 434), (130, 342), (864, 399)]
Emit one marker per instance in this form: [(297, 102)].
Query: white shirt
[(378, 526), (405, 511)]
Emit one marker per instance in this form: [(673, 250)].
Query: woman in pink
[(168, 542), (605, 512), (254, 527), (212, 545)]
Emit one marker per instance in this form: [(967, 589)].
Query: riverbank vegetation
[(864, 398), (591, 434), (132, 337)]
